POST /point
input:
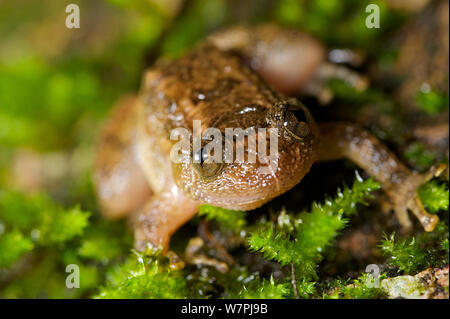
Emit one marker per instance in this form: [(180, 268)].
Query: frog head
[(277, 152)]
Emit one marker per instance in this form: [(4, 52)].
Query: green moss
[(267, 289), (226, 218), (432, 102), (406, 255), (434, 196), (343, 91), (100, 248), (144, 275), (40, 234), (238, 282), (290, 12), (12, 246), (419, 157), (306, 289), (302, 244), (40, 218), (347, 19), (201, 17), (363, 287), (66, 225), (411, 255), (444, 244), (277, 246), (313, 231)]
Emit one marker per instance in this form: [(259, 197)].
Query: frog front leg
[(161, 217), (344, 140), (122, 186)]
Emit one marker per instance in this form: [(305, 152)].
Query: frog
[(241, 77)]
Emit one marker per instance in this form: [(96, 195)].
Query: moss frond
[(432, 102), (434, 196), (313, 232), (404, 254), (413, 254), (144, 275), (12, 246), (418, 156), (356, 289), (267, 289), (230, 219), (40, 218)]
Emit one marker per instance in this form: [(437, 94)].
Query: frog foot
[(193, 256), (404, 197), (175, 262), (206, 234)]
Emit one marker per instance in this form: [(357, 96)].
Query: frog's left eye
[(205, 166), (298, 122)]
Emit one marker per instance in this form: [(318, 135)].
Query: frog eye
[(297, 121), (205, 166)]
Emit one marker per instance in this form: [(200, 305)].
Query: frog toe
[(405, 197), (428, 221)]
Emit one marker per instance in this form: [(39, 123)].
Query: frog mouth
[(243, 200), (240, 204)]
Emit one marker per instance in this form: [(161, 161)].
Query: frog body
[(222, 83)]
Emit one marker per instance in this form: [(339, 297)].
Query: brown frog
[(238, 78)]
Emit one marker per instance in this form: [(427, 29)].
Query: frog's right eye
[(205, 166), (298, 122)]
